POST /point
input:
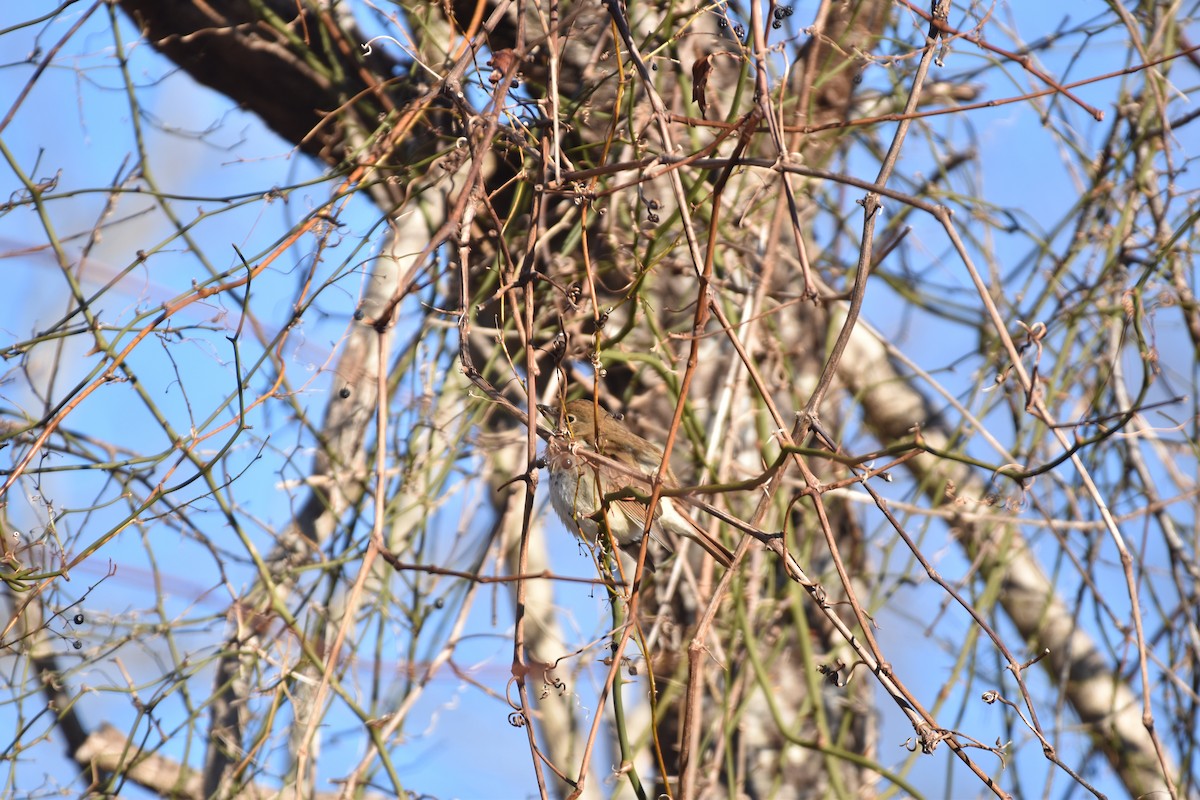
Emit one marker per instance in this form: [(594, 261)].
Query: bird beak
[(553, 416)]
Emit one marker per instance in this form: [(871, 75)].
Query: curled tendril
[(366, 46)]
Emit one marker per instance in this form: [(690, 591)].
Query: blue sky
[(75, 127)]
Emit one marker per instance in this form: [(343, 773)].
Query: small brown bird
[(573, 481)]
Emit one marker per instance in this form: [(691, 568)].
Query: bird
[(574, 477)]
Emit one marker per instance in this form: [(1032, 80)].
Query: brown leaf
[(700, 72)]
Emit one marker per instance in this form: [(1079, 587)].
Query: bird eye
[(570, 418)]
